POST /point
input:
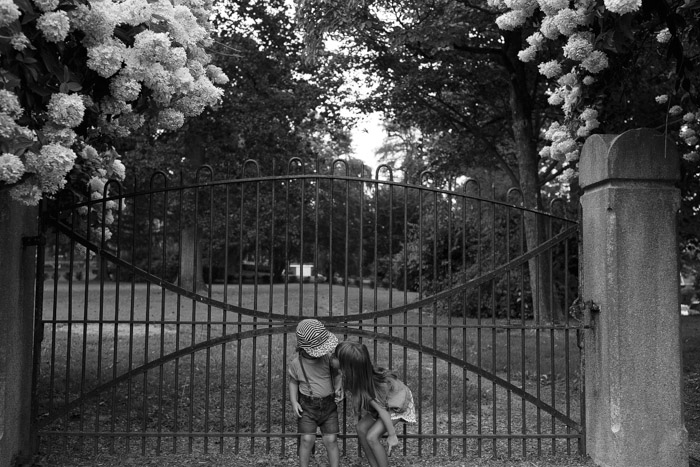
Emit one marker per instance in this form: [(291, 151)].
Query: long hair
[(360, 377)]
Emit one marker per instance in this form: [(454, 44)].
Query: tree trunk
[(190, 272), (545, 304)]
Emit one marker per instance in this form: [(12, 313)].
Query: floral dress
[(397, 399)]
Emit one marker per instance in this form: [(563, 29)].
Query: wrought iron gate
[(169, 311)]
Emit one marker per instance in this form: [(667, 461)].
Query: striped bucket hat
[(314, 338)]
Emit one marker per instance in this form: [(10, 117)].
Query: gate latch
[(583, 311), (37, 240)]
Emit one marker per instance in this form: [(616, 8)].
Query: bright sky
[(367, 137)]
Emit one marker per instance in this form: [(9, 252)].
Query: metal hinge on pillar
[(36, 240), (583, 311)]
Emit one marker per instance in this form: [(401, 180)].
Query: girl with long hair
[(380, 400)]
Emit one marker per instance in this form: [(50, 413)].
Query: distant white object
[(303, 273), (685, 310)]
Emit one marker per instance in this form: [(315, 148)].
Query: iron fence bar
[(552, 379), (420, 314), (494, 394), (253, 360), (342, 322), (473, 283), (222, 381), (479, 260), (465, 219), (207, 376), (270, 308), (132, 311), (522, 247), (449, 322), (434, 336), (303, 176), (38, 330)]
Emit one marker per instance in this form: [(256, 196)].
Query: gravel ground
[(275, 461)]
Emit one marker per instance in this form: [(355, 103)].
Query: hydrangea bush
[(581, 30), (76, 74)]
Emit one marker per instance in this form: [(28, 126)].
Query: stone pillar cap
[(640, 154)]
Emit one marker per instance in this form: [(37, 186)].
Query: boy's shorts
[(318, 412)]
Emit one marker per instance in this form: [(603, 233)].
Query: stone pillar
[(634, 405), (17, 279)]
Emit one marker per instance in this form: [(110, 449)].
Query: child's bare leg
[(305, 445), (362, 428), (374, 435), (331, 443)]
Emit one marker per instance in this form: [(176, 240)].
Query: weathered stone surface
[(17, 274), (634, 401)]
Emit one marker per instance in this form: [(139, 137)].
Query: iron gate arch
[(168, 310)]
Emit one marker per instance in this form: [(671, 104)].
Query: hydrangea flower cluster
[(570, 22), (147, 61)]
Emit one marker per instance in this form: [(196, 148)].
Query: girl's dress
[(397, 399)]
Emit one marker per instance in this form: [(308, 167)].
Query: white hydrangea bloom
[(204, 94), (551, 7), (689, 117), (528, 7), (151, 47), (9, 103), (9, 13), (511, 20), (8, 126), (11, 168), (675, 110), (97, 184), (622, 6), (596, 62), (19, 41), (662, 99), (97, 21), (90, 154), (135, 12), (567, 175), (686, 132), (176, 58), (571, 156), (588, 80), (550, 69), (549, 28), (528, 54), (496, 4), (536, 40), (663, 36), (66, 109), (106, 58), (46, 5), (118, 170), (216, 75), (58, 134), (567, 21), (54, 25), (692, 156), (27, 193), (556, 98), (182, 80), (124, 88), (51, 166), (579, 46)]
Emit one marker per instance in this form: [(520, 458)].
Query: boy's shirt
[(319, 372)]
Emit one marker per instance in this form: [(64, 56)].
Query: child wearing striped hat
[(315, 387)]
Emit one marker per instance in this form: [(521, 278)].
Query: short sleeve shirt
[(319, 372)]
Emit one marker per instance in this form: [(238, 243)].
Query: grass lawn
[(237, 386)]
